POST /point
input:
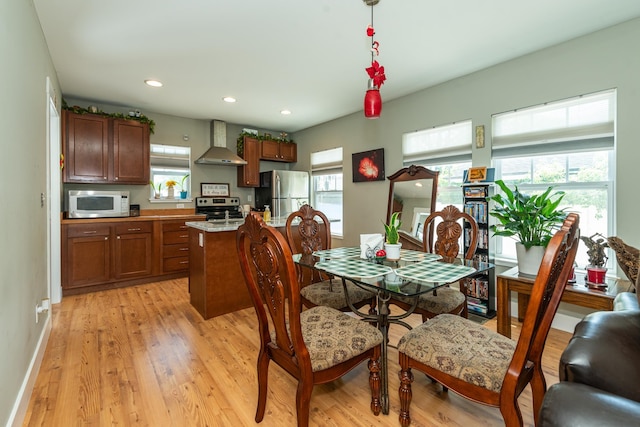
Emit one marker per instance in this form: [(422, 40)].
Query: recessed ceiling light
[(230, 99), (153, 83), (285, 112)]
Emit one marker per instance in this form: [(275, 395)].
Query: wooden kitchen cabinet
[(175, 247), (99, 149), (86, 147), (132, 250), (131, 148), (88, 255), (249, 174), (279, 151)]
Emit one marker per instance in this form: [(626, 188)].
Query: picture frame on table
[(214, 189)]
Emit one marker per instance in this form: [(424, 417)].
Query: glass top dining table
[(415, 273)]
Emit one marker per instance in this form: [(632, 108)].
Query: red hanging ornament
[(372, 99)]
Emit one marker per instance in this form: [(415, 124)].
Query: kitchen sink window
[(170, 163), (326, 178)]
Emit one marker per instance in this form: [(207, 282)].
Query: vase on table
[(170, 193)]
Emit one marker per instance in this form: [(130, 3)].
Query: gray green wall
[(23, 282)]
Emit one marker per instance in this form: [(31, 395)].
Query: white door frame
[(53, 198)]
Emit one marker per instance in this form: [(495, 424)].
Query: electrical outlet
[(42, 308), (249, 198), (180, 205)]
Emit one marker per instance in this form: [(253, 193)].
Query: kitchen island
[(216, 283)]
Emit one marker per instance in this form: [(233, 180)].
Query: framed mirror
[(412, 192)]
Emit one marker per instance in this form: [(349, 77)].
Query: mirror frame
[(412, 173)]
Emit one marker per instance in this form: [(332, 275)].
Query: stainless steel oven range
[(219, 209)]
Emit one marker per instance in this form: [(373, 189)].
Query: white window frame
[(171, 162), (328, 162), (525, 133)]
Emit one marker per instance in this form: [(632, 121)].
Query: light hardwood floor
[(142, 356)]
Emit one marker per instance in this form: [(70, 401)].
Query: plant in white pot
[(530, 219), (391, 246), (596, 251)]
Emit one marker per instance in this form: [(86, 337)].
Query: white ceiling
[(302, 55)]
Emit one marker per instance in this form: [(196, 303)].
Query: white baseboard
[(24, 395)]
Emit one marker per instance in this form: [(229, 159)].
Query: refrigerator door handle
[(277, 205)]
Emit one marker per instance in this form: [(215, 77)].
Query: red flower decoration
[(376, 72)]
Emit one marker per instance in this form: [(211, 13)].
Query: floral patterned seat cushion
[(445, 301), (332, 336), (462, 349), (332, 294)]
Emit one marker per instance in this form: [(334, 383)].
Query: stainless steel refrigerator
[(284, 191)]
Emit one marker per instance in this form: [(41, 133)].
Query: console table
[(575, 293)]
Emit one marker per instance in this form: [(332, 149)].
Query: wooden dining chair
[(482, 365), (315, 346), (313, 233), (443, 239)]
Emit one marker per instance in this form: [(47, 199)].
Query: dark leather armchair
[(599, 371)]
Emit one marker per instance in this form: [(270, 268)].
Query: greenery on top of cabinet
[(80, 110)]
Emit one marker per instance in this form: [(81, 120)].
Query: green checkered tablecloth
[(437, 272), (417, 256), (338, 253), (353, 267)]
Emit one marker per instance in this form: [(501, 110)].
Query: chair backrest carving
[(446, 240), (270, 274), (311, 235)]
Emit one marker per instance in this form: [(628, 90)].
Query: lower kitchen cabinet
[(88, 255), (132, 251), (175, 247), (106, 254)]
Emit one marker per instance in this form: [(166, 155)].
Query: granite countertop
[(230, 225)]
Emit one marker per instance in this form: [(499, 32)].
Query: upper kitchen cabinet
[(100, 149), (130, 152), (279, 151), (249, 174)]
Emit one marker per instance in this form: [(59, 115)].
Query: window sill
[(187, 200)]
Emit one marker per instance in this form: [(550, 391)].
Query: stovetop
[(219, 208)]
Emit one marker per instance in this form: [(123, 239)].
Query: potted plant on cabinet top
[(391, 246), (531, 219), (183, 191), (596, 270)]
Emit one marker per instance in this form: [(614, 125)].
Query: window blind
[(442, 144)]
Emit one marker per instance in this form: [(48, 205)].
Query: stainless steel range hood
[(219, 154)]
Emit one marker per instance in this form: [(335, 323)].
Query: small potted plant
[(156, 190), (170, 188), (531, 220), (183, 190), (596, 251), (392, 246)]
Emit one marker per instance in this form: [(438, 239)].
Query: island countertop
[(230, 225)]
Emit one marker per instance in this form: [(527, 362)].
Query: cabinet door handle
[(104, 177), (184, 262), (106, 238), (89, 232), (184, 249), (133, 229), (184, 235), (118, 237)]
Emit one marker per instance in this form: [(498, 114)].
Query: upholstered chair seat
[(330, 293), (446, 300), (332, 337), (462, 349)]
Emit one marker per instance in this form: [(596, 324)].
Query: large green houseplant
[(530, 219)]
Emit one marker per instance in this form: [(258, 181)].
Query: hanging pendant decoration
[(372, 98)]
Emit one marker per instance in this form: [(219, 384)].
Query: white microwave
[(97, 204)]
